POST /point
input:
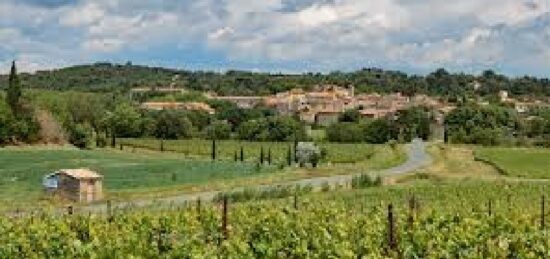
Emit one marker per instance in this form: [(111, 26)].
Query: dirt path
[(417, 158)]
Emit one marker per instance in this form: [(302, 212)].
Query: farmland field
[(518, 162), (136, 174), (336, 153), (22, 170), (459, 220)]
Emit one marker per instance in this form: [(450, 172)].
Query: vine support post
[(296, 200), (542, 223), (412, 211), (225, 219), (199, 208), (392, 242)]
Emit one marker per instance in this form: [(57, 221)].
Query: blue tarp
[(50, 181)]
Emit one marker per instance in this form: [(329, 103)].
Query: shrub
[(365, 181), (80, 135)]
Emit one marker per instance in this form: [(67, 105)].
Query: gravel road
[(417, 158)]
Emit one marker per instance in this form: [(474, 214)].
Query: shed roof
[(81, 173)]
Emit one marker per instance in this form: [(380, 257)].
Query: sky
[(290, 36)]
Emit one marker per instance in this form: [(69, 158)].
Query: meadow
[(467, 219), (336, 152), (142, 173), (23, 168), (518, 162)]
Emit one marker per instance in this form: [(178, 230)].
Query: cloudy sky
[(417, 36)]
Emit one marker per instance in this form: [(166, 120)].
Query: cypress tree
[(236, 157), (289, 156), (214, 151), (242, 154), (295, 150), (262, 155), (445, 134), (269, 156), (14, 90)]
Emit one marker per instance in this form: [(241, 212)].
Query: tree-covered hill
[(108, 77)]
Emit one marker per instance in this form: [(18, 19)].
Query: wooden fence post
[(224, 219), (242, 154), (199, 209), (296, 200), (412, 205)]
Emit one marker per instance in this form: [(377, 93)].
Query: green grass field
[(336, 153), (22, 170), (518, 162)]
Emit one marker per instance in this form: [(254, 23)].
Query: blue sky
[(416, 36)]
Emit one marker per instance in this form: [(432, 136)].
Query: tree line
[(107, 77)]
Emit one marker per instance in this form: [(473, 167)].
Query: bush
[(365, 181), (80, 135), (218, 130)]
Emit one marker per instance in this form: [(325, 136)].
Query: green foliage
[(352, 115), (80, 135), (348, 132), (453, 221), (279, 128), (486, 125), (365, 181), (172, 125), (13, 92), (218, 130), (335, 152), (115, 77)]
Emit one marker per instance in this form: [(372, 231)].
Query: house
[(81, 185), (325, 118), (244, 102), (190, 106)]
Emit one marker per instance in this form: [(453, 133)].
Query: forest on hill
[(107, 77)]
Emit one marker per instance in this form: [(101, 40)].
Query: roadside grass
[(531, 163), (450, 163)]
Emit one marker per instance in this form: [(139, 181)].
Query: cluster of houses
[(324, 104)]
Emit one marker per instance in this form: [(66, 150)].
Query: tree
[(308, 153), (352, 115), (172, 125), (14, 91), (345, 132), (218, 130)]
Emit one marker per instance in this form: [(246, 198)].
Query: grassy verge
[(451, 163), (518, 162)]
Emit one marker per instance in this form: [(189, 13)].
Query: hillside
[(108, 77)]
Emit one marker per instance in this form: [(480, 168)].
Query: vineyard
[(459, 220), (336, 153), (518, 162)]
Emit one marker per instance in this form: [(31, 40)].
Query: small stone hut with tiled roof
[(81, 185)]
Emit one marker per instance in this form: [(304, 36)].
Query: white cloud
[(325, 34), (86, 14)]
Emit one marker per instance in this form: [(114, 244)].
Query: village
[(320, 106)]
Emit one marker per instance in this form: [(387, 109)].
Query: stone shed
[(81, 185)]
